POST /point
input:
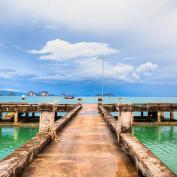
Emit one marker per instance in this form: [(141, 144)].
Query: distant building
[(44, 93), (31, 93)]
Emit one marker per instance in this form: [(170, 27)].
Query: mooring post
[(125, 122), (171, 115), (16, 117)]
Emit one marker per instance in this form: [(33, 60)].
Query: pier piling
[(47, 119), (125, 122), (171, 115), (16, 117)]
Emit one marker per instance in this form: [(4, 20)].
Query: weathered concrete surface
[(87, 148), (13, 164), (47, 119), (145, 160)]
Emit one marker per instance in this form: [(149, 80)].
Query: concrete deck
[(87, 148)]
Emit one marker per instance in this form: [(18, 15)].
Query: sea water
[(12, 137), (162, 141)]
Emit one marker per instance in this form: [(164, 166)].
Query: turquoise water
[(162, 141), (57, 99), (12, 137)]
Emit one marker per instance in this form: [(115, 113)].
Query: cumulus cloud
[(146, 67), (62, 50), (91, 69), (151, 23)]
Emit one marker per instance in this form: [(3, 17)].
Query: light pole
[(102, 75)]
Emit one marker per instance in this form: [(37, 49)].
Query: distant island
[(43, 93)]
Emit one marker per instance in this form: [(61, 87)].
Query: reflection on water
[(162, 141), (12, 137)]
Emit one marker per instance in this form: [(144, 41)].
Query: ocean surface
[(88, 100), (162, 141), (12, 137)]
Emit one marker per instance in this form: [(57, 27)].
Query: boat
[(9, 115), (23, 97), (68, 97)]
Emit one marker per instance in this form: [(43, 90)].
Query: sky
[(54, 45)]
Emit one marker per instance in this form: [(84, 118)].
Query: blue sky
[(53, 45)]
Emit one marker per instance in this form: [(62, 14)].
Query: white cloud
[(146, 67), (62, 50), (91, 69), (10, 90), (7, 73), (148, 23)]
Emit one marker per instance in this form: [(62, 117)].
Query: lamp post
[(102, 76)]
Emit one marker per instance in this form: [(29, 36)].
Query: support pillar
[(16, 117), (159, 115), (33, 114), (0, 116), (46, 120), (56, 115), (171, 115), (125, 123), (142, 114), (27, 115)]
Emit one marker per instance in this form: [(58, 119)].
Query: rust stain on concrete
[(87, 148)]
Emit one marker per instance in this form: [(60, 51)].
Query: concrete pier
[(87, 148)]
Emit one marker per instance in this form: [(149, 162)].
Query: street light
[(102, 76)]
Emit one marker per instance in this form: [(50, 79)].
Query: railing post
[(100, 101), (79, 101)]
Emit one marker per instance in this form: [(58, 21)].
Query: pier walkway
[(86, 148)]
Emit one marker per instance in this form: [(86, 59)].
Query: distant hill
[(10, 93)]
